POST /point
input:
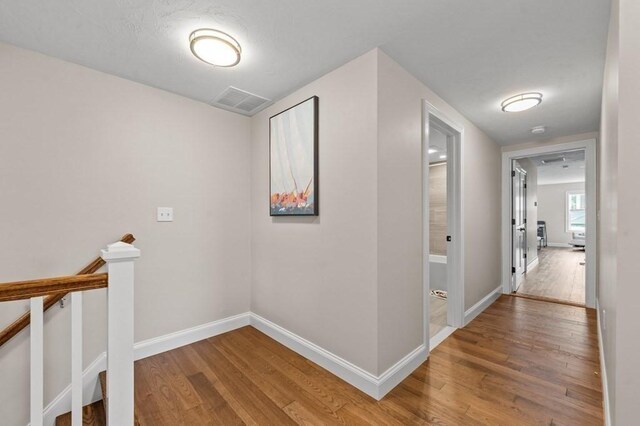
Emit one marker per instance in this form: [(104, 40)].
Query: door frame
[(455, 219), (589, 146)]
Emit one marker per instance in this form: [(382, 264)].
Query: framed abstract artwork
[(293, 160)]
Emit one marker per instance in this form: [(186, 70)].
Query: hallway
[(559, 276), (519, 362)]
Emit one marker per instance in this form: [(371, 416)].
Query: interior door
[(519, 226)]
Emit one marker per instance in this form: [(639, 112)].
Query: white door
[(519, 225)]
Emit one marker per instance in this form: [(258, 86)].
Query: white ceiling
[(570, 169), (477, 53), (473, 53)]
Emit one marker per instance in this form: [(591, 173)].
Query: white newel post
[(120, 257)]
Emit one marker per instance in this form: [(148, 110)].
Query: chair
[(542, 234)]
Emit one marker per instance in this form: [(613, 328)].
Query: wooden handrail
[(21, 323), (49, 286)]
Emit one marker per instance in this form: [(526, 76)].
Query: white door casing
[(589, 145), (519, 225), (455, 216)]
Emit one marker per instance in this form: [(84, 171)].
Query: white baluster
[(37, 360), (76, 358), (120, 257)]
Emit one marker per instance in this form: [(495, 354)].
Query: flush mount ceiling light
[(215, 47), (521, 102)]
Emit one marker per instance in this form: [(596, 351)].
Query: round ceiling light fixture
[(521, 102), (215, 47)]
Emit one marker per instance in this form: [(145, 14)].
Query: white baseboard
[(374, 386), (483, 304), (603, 372), (564, 245), (165, 343), (401, 370), (533, 264), (146, 348), (434, 341)]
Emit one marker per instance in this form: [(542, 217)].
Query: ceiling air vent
[(554, 160), (237, 100)]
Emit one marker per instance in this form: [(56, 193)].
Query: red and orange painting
[(294, 160)]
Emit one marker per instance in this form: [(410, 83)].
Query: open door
[(519, 225), (443, 276)]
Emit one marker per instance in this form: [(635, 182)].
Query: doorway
[(443, 226), (549, 217), (549, 262)]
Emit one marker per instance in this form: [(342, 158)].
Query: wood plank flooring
[(92, 415), (520, 362), (559, 276)]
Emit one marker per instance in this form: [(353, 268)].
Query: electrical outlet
[(165, 214)]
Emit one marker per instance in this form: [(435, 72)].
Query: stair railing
[(119, 281), (21, 323)]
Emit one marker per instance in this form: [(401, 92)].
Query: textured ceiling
[(473, 53), (476, 53)]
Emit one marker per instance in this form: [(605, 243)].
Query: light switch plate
[(165, 214)]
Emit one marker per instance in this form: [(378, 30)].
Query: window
[(576, 213)]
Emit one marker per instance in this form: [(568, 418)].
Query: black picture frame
[(277, 210)]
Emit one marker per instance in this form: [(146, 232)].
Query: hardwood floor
[(437, 315), (92, 415), (520, 362), (559, 276)]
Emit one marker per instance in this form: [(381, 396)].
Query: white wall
[(400, 264), (608, 205), (618, 291), (552, 206), (350, 279), (400, 256), (86, 157), (627, 345), (317, 276)]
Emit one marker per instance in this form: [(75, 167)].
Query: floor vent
[(237, 100)]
